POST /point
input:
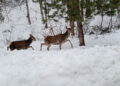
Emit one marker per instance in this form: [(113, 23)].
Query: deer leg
[(12, 47), (42, 45), (8, 48), (60, 46), (70, 43), (31, 47), (48, 47)]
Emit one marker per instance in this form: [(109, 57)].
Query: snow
[(92, 65), (96, 64)]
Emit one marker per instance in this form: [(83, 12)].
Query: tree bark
[(46, 17), (40, 4), (46, 25), (118, 12), (80, 34), (101, 25), (79, 23), (72, 27), (110, 23), (28, 14)]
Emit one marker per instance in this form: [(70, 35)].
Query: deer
[(57, 39), (23, 44)]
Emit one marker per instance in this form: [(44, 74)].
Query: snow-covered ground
[(96, 64)]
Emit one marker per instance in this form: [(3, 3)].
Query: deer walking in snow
[(23, 44), (57, 39)]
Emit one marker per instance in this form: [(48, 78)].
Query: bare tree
[(72, 27), (46, 16), (79, 24), (28, 13), (40, 4)]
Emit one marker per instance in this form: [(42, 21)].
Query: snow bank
[(97, 66)]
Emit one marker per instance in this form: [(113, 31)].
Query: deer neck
[(66, 33), (29, 41)]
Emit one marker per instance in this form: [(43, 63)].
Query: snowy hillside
[(92, 65), (96, 64)]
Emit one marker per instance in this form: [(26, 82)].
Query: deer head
[(32, 37)]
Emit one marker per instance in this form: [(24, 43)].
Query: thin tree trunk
[(101, 26), (46, 24), (118, 12), (28, 14), (40, 3), (80, 34), (72, 19), (79, 23), (110, 24), (72, 27)]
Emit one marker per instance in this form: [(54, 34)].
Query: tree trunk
[(46, 17), (110, 23), (40, 4), (72, 27), (101, 27), (119, 12), (28, 14), (80, 34), (80, 10), (46, 25)]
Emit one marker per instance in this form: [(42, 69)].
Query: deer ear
[(66, 27), (30, 35)]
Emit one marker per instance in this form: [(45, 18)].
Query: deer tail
[(9, 45), (45, 36)]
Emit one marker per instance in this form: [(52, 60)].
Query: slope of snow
[(96, 64)]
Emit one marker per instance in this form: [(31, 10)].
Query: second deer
[(57, 39), (23, 44)]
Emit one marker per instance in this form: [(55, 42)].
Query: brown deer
[(23, 44), (57, 39)]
